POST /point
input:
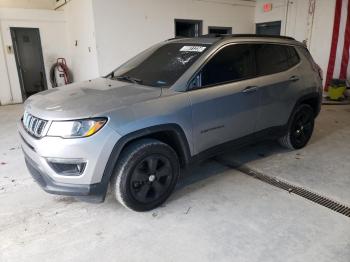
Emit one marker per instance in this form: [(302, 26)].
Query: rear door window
[(293, 57), (271, 59)]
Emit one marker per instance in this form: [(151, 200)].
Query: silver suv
[(177, 102)]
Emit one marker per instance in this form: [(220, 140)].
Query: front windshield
[(160, 66)]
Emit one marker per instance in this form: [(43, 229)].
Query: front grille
[(33, 125)]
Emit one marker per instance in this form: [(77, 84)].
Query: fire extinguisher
[(60, 74)]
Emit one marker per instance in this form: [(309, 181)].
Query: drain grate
[(300, 191)]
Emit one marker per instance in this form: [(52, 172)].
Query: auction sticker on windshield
[(198, 49)]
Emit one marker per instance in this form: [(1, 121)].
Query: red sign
[(267, 7)]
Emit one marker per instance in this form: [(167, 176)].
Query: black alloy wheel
[(302, 128), (151, 178), (145, 175)]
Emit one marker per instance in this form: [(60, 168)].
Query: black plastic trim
[(95, 191), (314, 95), (26, 142), (251, 36), (266, 134)]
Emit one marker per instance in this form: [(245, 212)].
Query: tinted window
[(309, 58), (232, 63), (306, 53), (271, 59), (293, 56), (160, 66)]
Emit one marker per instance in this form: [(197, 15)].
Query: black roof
[(246, 35), (214, 38)]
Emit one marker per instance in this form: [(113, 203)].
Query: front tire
[(300, 128), (146, 174)]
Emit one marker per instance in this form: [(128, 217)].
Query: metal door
[(29, 60)]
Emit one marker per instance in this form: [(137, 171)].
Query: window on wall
[(220, 30), (269, 28), (232, 63), (188, 28)]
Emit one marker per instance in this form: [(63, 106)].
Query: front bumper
[(95, 150), (96, 191)]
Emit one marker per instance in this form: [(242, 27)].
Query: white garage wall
[(124, 28), (81, 36), (5, 88), (53, 35), (278, 12), (294, 19), (321, 38), (317, 31)]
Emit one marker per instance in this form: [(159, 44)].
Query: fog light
[(67, 167)]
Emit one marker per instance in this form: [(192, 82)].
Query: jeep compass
[(178, 101)]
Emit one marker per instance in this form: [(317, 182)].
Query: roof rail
[(247, 35), (175, 38)]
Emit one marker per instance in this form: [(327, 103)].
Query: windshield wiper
[(130, 79)]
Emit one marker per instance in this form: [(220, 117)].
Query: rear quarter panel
[(279, 96)]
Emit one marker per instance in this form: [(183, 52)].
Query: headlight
[(76, 128)]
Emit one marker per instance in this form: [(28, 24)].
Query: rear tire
[(300, 128), (146, 175)]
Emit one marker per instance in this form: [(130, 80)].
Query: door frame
[(190, 21), (278, 22), (17, 58)]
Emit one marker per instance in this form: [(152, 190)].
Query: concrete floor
[(216, 214)]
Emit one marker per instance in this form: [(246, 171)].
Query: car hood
[(88, 99)]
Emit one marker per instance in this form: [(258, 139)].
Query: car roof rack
[(246, 35)]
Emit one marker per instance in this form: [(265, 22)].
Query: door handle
[(294, 78), (250, 89)]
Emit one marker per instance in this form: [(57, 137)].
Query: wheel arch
[(314, 100), (171, 134)]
